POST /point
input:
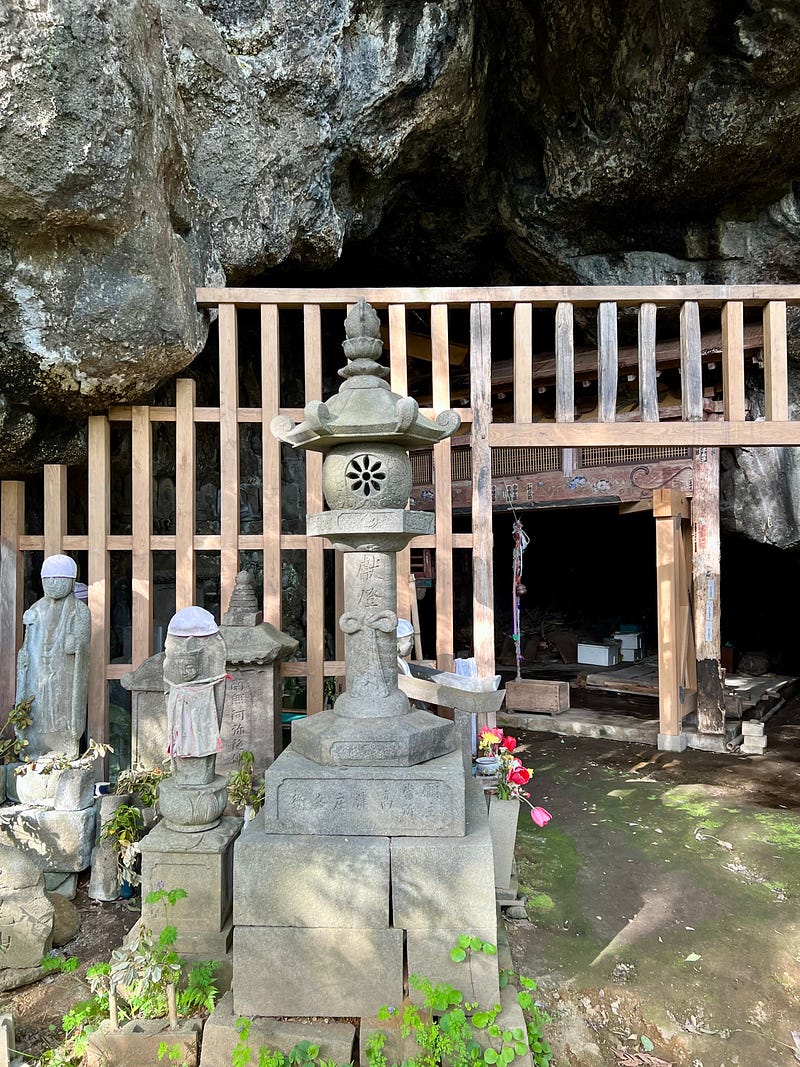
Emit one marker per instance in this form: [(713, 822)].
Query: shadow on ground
[(663, 900)]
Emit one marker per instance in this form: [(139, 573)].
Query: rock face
[(149, 147), (154, 145)]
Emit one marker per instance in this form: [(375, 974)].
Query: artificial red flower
[(541, 816), (519, 775), (509, 743)]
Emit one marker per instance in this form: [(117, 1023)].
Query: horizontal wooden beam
[(639, 434), (251, 415), (541, 295)]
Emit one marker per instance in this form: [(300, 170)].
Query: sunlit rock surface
[(150, 146)]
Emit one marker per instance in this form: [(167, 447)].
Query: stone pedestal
[(426, 800), (221, 1036), (53, 818), (326, 927), (62, 840), (201, 864)]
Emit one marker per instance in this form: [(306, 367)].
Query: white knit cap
[(59, 567), (404, 628), (192, 622)]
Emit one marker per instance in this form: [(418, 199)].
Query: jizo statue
[(194, 682), (53, 663)]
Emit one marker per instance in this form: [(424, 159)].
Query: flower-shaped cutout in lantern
[(365, 474)]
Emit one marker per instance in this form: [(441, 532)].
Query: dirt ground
[(662, 903), (39, 1008)]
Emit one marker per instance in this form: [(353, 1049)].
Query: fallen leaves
[(626, 1058)]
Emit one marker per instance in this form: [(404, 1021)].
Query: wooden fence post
[(442, 459), (99, 576), (12, 526), (55, 508), (482, 534)]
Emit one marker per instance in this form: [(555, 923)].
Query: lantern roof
[(365, 408)]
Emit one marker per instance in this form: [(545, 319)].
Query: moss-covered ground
[(663, 900)]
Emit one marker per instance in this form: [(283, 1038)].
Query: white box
[(604, 655), (629, 640), (630, 655)]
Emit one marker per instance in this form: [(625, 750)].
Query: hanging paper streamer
[(521, 542)]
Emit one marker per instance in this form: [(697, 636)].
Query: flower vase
[(503, 818), (486, 765)]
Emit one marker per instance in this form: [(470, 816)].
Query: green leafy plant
[(145, 979), (244, 789), (143, 782), (55, 963), (123, 830), (80, 1021), (172, 1054), (447, 1029), (303, 1054), (60, 761), (149, 976), (19, 717)]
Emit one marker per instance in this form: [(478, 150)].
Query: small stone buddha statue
[(194, 684)]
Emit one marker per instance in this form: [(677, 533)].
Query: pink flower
[(509, 743), (541, 816)]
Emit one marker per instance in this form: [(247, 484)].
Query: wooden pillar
[(185, 567), (669, 508), (523, 362), (55, 508), (315, 554), (398, 363), (482, 534), (229, 519), (99, 577), (141, 556), (440, 349), (271, 462), (12, 526), (705, 579)]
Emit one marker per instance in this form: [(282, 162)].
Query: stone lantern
[(377, 849), (365, 431)]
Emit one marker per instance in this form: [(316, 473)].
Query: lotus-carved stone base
[(191, 808)]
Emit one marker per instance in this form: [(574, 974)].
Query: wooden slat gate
[(186, 542)]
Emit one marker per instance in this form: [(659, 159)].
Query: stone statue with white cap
[(53, 663), (194, 684)]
